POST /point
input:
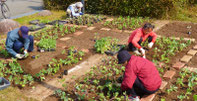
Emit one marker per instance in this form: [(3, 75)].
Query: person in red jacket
[(140, 35), (141, 77)]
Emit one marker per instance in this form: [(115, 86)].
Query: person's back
[(146, 72), (74, 10)]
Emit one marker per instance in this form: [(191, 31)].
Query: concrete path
[(18, 7)]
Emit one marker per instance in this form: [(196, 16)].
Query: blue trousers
[(18, 45)]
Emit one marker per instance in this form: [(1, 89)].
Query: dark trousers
[(133, 48), (138, 89), (18, 45)]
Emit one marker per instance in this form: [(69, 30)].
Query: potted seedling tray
[(45, 50), (112, 53), (36, 27), (4, 83), (34, 22), (59, 22)]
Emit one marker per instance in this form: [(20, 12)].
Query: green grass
[(185, 14), (55, 16), (13, 94)]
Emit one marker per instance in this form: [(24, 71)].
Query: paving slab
[(109, 19), (65, 38), (148, 98), (192, 52), (127, 31), (186, 58), (195, 47), (163, 85), (192, 69), (105, 29), (178, 65), (90, 28), (169, 74)]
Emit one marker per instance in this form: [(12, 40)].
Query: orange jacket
[(137, 34)]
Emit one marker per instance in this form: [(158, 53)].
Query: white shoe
[(137, 52), (134, 98)]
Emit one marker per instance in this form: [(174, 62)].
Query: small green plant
[(47, 43), (172, 88)]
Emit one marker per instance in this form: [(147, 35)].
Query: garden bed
[(179, 29)]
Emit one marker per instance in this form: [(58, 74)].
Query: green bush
[(150, 8)]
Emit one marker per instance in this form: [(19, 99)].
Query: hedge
[(150, 8)]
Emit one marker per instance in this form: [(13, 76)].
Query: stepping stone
[(85, 50), (65, 38), (163, 85), (127, 31), (148, 98), (83, 26), (110, 19), (191, 69), (191, 39), (90, 28), (105, 29), (116, 30), (192, 52), (186, 58), (169, 75), (178, 65), (78, 33), (195, 47)]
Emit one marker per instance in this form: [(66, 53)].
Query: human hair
[(148, 25)]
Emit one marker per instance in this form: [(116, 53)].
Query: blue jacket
[(12, 37)]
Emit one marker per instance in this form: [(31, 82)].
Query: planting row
[(126, 23), (15, 74)]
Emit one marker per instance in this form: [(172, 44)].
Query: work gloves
[(150, 45), (19, 56), (25, 53), (143, 52)]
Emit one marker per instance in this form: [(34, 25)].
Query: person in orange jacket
[(140, 35)]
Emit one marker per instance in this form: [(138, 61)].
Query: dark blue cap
[(24, 30), (123, 56)]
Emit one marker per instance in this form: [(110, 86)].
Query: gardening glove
[(142, 51), (150, 45), (25, 53), (19, 56)]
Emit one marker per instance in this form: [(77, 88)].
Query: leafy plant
[(47, 43)]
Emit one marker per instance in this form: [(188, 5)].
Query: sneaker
[(134, 98), (137, 52)]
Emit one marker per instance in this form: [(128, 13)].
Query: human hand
[(19, 56), (150, 45), (142, 51), (25, 53)]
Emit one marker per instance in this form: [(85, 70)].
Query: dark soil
[(179, 29)]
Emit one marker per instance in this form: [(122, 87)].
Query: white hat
[(79, 4)]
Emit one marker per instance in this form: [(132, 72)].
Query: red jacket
[(137, 34), (144, 70)]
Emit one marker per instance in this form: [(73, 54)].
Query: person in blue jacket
[(17, 39), (74, 10)]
